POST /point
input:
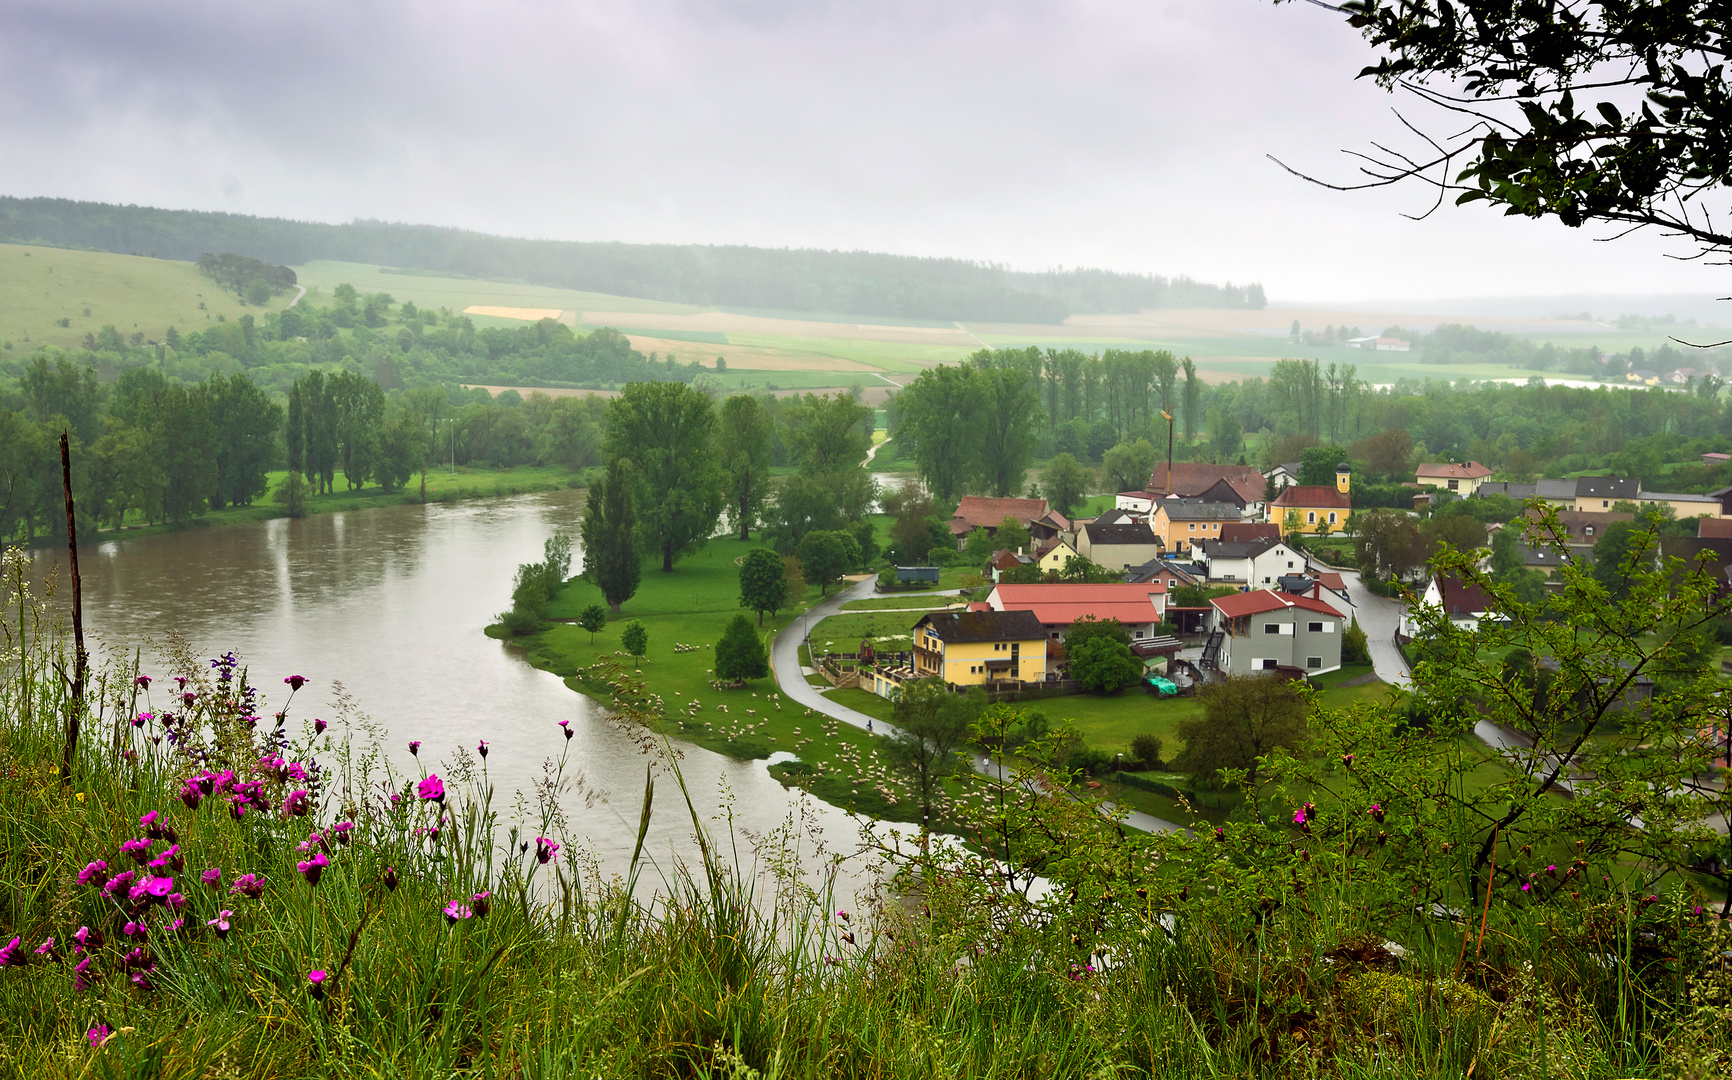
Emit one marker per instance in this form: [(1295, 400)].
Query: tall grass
[(450, 945)]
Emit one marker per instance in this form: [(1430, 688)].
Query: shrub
[(1146, 749)]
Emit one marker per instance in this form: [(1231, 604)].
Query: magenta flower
[(46, 949), (139, 849), (190, 794), (141, 979), (343, 830), (296, 682), (149, 824), (82, 935), (391, 879), (432, 789), (482, 749), (175, 901), (313, 867), (142, 682), (101, 1033), (94, 873), (316, 983), (415, 747), (565, 726), (545, 850), (1526, 886), (319, 727), (212, 877), (295, 771), (119, 883), (249, 885), (297, 804), (170, 859), (481, 903), (221, 923), (81, 975), (9, 954), (159, 888), (1298, 817), (455, 911)]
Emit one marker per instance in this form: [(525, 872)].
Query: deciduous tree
[(763, 582), (612, 559), (666, 430), (740, 652)]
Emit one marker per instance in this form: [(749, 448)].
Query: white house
[(1257, 563), (1465, 604)]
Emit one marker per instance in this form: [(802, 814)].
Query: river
[(390, 603)]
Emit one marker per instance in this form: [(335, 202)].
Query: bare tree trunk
[(80, 658)]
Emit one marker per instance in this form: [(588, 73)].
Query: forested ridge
[(857, 282)]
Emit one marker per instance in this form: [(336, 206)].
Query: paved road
[(1379, 617), (298, 295), (785, 662)]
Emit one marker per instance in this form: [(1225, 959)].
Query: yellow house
[(971, 648), (1461, 477), (1056, 554), (1318, 509)]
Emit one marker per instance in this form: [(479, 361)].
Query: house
[(1600, 492), (1463, 478), (1546, 559), (1049, 526), (1581, 529), (1560, 493), (1326, 586), (1259, 562), (970, 648), (1725, 496), (980, 512), (1715, 553), (1246, 496), (1319, 509), (1714, 528), (1140, 607), (1643, 375), (1137, 502), (1716, 459), (1251, 530), (1190, 479), (1165, 572), (1266, 630), (1054, 554), (1683, 506), (1464, 604), (1285, 474), (1004, 560), (1391, 344), (1117, 547), (1179, 523), (1518, 492)]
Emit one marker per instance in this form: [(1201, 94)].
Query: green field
[(902, 600), (132, 293), (456, 293)]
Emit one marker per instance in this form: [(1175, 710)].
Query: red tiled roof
[(980, 512), (1195, 477), (1332, 580), (1312, 496), (1245, 532), (1065, 614), (1239, 605), (1117, 592), (1449, 470), (1460, 598), (1714, 527)]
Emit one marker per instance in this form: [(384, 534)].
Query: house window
[(1588, 531), (1267, 665), (1193, 526), (1139, 633), (1605, 503), (1314, 627), (1331, 517), (1311, 517), (1455, 485), (1289, 566), (1271, 628), (1313, 661)]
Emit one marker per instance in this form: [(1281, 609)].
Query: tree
[(939, 427), (1012, 534), (763, 582), (1146, 749), (1355, 645), (1616, 553), (1103, 664), (1509, 565), (1128, 466), (1066, 482), (1548, 90), (592, 618), (635, 640), (1227, 437), (1459, 531), (826, 556), (1010, 417), (740, 652), (1386, 543), (743, 448), (831, 489), (1317, 465), (932, 724), (1088, 628), (665, 429), (796, 578), (1388, 454), (978, 548), (1244, 718), (611, 559), (1193, 398)]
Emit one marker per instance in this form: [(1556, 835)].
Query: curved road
[(1379, 617), (785, 662)]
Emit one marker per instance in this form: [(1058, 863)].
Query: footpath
[(785, 662)]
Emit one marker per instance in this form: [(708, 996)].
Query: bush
[(1355, 648), (1146, 749), (518, 622)]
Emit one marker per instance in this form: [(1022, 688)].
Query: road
[(785, 662), (1379, 617), (298, 295)]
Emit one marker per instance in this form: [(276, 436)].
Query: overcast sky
[(1128, 134)]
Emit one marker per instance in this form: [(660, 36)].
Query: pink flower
[(221, 923), (142, 682), (565, 726), (316, 983), (250, 885), (313, 867), (81, 975), (101, 1033), (170, 859), (482, 749), (545, 850), (212, 877), (415, 747), (297, 804), (342, 831), (94, 873), (432, 788), (319, 727), (139, 849), (454, 911), (481, 902), (296, 682), (46, 949)]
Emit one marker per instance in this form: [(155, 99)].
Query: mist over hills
[(802, 280)]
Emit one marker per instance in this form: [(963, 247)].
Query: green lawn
[(922, 600)]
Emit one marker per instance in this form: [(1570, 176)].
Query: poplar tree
[(610, 553)]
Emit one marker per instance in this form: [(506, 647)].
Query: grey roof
[(1237, 549), (1291, 468), (1556, 489), (1679, 498), (1115, 516), (1607, 487), (1186, 510), (1542, 556), (956, 627), (1134, 532), (1136, 575), (1504, 487)]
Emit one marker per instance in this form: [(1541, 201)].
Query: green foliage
[(826, 556), (1196, 596), (743, 446), (979, 547), (1103, 664), (1317, 465), (740, 653), (634, 639), (611, 558), (932, 725), (1089, 628), (1066, 483), (1355, 646), (971, 426), (1012, 535), (666, 432), (592, 618), (1244, 718), (1146, 749), (1127, 466), (763, 582)]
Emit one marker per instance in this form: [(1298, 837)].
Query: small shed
[(910, 574)]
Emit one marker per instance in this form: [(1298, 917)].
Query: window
[(1271, 628), (1311, 517), (1314, 628), (1289, 566), (1455, 485), (1139, 633), (1193, 526), (1331, 517), (1605, 503), (1267, 665), (1313, 661), (1589, 531)]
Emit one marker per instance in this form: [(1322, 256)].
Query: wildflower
[(46, 949), (84, 936), (342, 829), (119, 883), (9, 955), (94, 873), (414, 747), (1526, 886), (316, 983), (190, 794), (432, 789), (481, 902), (313, 867), (249, 885), (81, 975), (221, 923), (101, 1033), (545, 850), (188, 698), (456, 910), (295, 771), (297, 804), (142, 682), (319, 727), (212, 877), (482, 749), (1376, 812), (141, 979), (565, 726), (296, 682), (391, 878), (237, 806), (170, 859), (139, 849)]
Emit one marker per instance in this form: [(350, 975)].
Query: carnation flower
[(455, 910), (432, 788), (545, 850)]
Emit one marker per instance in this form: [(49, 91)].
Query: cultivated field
[(134, 293)]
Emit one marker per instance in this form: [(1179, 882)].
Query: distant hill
[(866, 283)]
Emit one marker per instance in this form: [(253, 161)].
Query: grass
[(902, 600), (133, 293), (457, 293)]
